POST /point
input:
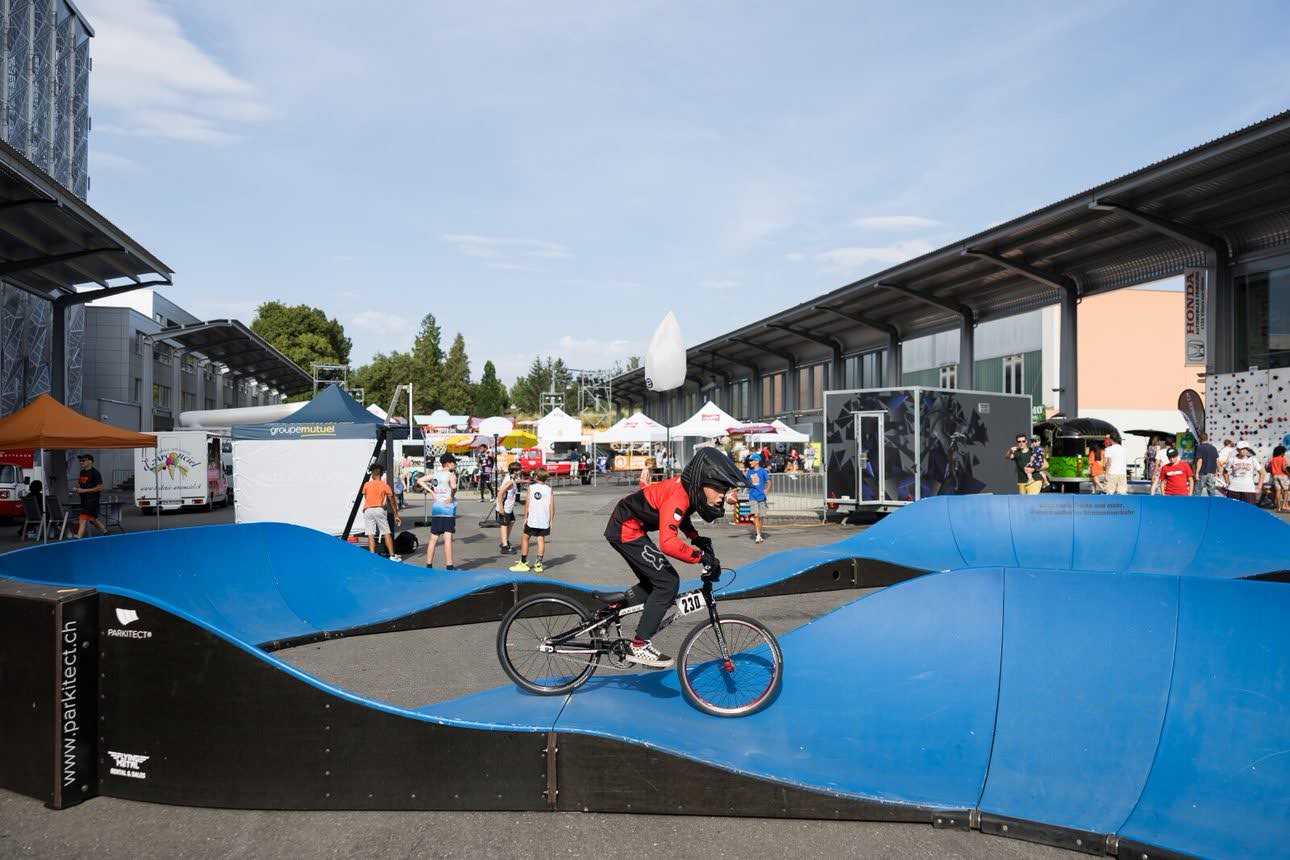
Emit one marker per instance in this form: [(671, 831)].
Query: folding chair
[(33, 522), (55, 513), (112, 518)]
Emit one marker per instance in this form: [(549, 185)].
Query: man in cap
[(1175, 476), (88, 486), (757, 503)]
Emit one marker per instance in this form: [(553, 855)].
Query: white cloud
[(854, 258), (506, 249), (100, 160), (795, 257), (512, 267), (378, 331), (895, 222), (151, 80), (343, 258), (718, 285)]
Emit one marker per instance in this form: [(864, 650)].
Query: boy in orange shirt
[(376, 495)]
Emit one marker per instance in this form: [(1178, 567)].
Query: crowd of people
[(1234, 471)]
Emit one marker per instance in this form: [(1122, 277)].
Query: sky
[(552, 178)]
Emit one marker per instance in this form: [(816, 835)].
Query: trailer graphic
[(889, 447)]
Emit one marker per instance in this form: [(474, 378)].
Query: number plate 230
[(687, 603)]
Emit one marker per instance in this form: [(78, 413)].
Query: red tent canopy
[(46, 423)]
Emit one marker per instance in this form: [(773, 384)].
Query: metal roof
[(1230, 196), (243, 351), (51, 240)]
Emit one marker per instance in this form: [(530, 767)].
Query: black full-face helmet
[(710, 467)]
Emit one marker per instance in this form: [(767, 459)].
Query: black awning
[(51, 241), (242, 351), (1229, 197)]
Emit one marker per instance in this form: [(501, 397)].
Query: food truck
[(185, 470)]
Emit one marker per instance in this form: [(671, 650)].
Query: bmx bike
[(728, 666)]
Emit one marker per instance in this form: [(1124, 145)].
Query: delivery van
[(185, 470)]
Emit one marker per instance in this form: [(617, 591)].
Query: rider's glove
[(704, 544), (711, 567)]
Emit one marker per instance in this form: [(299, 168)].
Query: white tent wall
[(307, 482), (557, 426)]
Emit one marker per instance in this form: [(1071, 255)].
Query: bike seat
[(609, 596)]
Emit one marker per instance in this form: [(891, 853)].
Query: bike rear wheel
[(743, 685), (529, 628)]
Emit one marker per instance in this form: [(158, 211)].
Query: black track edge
[(1272, 576), (1130, 850), (1083, 841), (597, 774)]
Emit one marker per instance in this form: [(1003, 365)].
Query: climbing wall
[(1254, 405)]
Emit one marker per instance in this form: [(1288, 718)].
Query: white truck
[(186, 469)]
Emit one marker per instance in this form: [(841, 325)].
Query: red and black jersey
[(663, 507)]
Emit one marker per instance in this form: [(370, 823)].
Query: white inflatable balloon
[(665, 357)]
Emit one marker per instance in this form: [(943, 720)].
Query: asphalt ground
[(419, 667)]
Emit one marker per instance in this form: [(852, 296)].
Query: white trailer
[(186, 469)]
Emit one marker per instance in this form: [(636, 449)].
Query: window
[(210, 403), (8, 473), (189, 364), (163, 353), (136, 390), (187, 400), (950, 376), (1014, 376), (138, 343), (1263, 319), (161, 396)]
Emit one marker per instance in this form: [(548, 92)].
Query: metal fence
[(798, 495)]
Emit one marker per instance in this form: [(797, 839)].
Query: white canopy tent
[(637, 427), (558, 426), (709, 422), (783, 433)]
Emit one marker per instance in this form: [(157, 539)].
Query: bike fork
[(726, 662)]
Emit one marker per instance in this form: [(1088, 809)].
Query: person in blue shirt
[(758, 477)]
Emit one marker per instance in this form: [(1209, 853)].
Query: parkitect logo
[(126, 617)]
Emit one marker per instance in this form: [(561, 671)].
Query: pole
[(410, 421), (156, 489), (358, 497)]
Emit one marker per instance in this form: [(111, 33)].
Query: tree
[(619, 368), (302, 333), (379, 378), (455, 391), (526, 393), (427, 366), (490, 394)]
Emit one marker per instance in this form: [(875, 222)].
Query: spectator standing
[(539, 517), (808, 461), (1019, 454), (758, 479), (442, 486), (647, 473), (376, 495), (1206, 467), (794, 460), (1225, 454), (1096, 468), (1117, 469), (1149, 460), (505, 503), (1162, 458), (484, 474), (1280, 473), (1038, 462), (1244, 475), (89, 486), (1175, 477)]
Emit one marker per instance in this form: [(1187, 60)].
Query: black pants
[(659, 582)]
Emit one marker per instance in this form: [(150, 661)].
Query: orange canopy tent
[(46, 423)]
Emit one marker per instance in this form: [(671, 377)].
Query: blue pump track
[(1102, 674)]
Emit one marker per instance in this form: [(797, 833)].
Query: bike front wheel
[(737, 687), (537, 648)]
